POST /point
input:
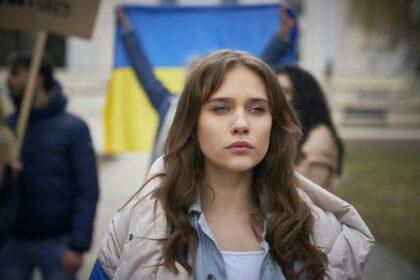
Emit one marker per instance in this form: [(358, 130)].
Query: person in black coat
[(57, 186)]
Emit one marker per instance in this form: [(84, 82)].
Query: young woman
[(225, 202), (320, 152)]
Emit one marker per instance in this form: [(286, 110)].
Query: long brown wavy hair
[(290, 222)]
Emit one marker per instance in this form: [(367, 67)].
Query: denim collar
[(195, 208), (195, 218)]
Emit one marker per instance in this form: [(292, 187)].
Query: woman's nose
[(240, 125)]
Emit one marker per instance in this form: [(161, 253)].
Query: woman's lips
[(240, 147)]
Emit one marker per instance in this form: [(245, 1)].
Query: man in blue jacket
[(57, 186)]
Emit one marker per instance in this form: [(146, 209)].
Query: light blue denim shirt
[(209, 263)]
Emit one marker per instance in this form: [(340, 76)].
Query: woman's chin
[(241, 164)]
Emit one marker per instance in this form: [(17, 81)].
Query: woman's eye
[(220, 109), (257, 109)]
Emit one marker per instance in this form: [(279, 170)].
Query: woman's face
[(286, 86), (235, 123)]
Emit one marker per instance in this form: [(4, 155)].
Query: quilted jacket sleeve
[(114, 240), (348, 255), (339, 231), (118, 232)]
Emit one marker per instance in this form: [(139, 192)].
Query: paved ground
[(121, 176)]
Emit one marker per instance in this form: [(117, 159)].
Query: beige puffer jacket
[(132, 245)]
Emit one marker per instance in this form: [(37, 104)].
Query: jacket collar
[(56, 105)]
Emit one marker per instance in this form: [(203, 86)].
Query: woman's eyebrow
[(227, 99), (219, 99), (259, 99)]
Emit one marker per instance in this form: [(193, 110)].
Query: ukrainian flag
[(170, 35)]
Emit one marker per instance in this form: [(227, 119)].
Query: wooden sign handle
[(29, 91)]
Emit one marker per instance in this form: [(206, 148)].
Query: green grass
[(383, 182)]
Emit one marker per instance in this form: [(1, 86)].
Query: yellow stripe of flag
[(130, 119)]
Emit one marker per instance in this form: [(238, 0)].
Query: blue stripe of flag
[(171, 34)]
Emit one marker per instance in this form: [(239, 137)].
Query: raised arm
[(282, 41), (158, 94)]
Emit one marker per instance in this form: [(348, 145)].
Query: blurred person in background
[(57, 185), (321, 151), (224, 202), (283, 42)]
